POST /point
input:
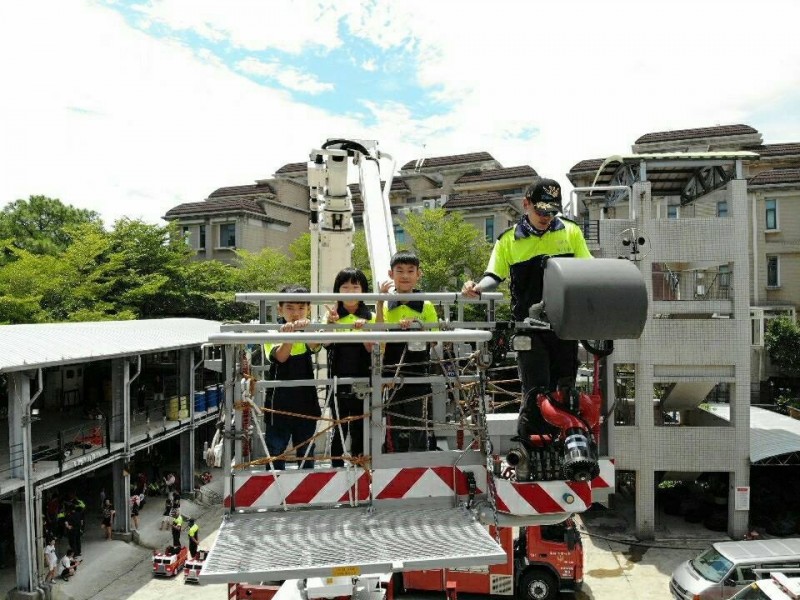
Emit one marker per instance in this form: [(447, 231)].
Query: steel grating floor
[(346, 541)]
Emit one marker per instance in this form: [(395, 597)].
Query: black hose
[(604, 347), (346, 145)]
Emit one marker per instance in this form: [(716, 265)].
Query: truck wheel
[(537, 584)]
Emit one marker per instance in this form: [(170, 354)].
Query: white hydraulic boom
[(332, 209)]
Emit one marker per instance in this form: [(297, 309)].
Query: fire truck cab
[(542, 561)]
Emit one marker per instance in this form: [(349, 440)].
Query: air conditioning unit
[(428, 204)]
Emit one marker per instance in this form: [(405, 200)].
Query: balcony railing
[(591, 230)]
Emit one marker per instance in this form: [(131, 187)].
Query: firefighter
[(521, 253), (194, 538), (177, 526)]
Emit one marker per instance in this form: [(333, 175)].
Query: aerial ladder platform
[(393, 512)]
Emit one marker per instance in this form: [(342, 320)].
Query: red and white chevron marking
[(606, 480), (542, 497), (298, 487), (311, 488), (425, 482)]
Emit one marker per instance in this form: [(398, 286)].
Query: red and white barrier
[(542, 497)]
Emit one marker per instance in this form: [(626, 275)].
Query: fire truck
[(344, 532)]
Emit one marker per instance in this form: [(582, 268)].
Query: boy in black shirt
[(292, 361)]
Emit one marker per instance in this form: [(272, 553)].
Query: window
[(227, 235), (744, 574), (672, 211), (724, 277), (771, 215), (722, 208), (187, 236), (202, 237), (773, 272), (488, 228), (399, 235)]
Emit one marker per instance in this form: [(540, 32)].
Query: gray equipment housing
[(599, 299)]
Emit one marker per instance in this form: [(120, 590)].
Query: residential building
[(273, 212), (682, 207), (268, 213)]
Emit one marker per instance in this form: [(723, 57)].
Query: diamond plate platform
[(346, 541)]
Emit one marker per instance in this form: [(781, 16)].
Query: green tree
[(299, 267), (361, 256), (71, 286), (783, 345), (265, 271), (42, 225), (450, 250)]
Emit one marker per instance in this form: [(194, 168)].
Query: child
[(68, 565), (135, 507), (51, 558), (288, 362), (412, 358), (349, 360), (108, 517), (166, 517)]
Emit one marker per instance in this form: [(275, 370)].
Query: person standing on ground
[(51, 559), (108, 517), (521, 253), (177, 526), (73, 527), (194, 538), (166, 516), (135, 507)]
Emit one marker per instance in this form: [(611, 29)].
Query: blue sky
[(132, 107)]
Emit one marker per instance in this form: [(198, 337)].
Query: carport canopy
[(774, 438)]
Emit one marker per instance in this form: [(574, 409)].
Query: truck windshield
[(711, 565)]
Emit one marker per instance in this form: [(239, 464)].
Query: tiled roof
[(589, 165), (226, 205), (243, 190), (472, 200), (443, 161), (767, 150), (690, 134), (775, 177), (493, 174), (292, 168), (397, 185)]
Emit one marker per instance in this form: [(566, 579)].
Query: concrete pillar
[(645, 504), (23, 512), (738, 520), (120, 433), (122, 499), (186, 388)]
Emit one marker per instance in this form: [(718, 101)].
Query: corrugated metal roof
[(771, 434), (34, 346)]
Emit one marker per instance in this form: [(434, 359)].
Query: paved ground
[(617, 566)]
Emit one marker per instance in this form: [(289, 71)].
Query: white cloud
[(370, 65), (110, 118), (288, 25), (288, 77)]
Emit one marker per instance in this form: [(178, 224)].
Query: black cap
[(545, 195)]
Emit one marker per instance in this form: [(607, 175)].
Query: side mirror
[(572, 537)]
